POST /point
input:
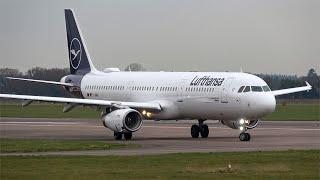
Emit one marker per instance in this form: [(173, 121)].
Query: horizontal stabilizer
[(41, 81)]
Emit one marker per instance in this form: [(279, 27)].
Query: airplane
[(238, 100)]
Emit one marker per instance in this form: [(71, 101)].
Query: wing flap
[(292, 90), (94, 102)]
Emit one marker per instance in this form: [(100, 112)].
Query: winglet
[(308, 84)]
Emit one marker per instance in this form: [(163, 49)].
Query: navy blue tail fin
[(80, 62)]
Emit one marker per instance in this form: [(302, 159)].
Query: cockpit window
[(265, 88), (241, 89), (256, 88), (247, 89)]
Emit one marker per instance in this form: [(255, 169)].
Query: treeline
[(278, 81), (275, 81), (30, 88)]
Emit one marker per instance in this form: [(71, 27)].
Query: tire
[(244, 137), (127, 136), (248, 136), (195, 130), (117, 135), (204, 131)]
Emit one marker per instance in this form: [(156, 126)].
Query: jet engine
[(249, 124), (252, 124), (123, 120)]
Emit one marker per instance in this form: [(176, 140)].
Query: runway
[(166, 136)]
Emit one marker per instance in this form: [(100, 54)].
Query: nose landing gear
[(244, 136), (201, 129), (243, 128)]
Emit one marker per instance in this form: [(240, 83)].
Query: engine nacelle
[(249, 124), (252, 124), (123, 120)]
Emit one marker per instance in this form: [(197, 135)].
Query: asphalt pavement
[(166, 136)]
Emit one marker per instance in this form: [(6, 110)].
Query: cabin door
[(226, 90)]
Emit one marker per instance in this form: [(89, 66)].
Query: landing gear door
[(226, 90)]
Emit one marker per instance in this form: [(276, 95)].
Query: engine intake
[(249, 124), (252, 124), (123, 120)]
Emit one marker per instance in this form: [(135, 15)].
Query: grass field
[(12, 145), (45, 110), (310, 112), (246, 165)]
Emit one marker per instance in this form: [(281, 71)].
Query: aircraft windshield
[(265, 88), (247, 89), (256, 88), (243, 89)]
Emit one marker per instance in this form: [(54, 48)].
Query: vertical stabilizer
[(79, 58)]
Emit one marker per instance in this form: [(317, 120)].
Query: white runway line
[(53, 124), (290, 129), (175, 127), (61, 123)]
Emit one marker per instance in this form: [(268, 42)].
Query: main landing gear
[(119, 135), (201, 129)]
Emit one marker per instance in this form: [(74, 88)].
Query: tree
[(8, 72), (314, 81), (30, 88)]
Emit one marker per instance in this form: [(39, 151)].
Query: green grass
[(14, 145), (309, 112), (245, 165), (45, 110)]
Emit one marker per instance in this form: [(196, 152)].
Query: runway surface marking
[(25, 122), (66, 124), (165, 137)]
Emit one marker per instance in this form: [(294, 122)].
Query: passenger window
[(241, 89), (247, 89), (266, 88), (256, 88)]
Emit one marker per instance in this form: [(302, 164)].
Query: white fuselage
[(184, 95)]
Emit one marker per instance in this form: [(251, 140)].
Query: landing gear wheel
[(127, 136), (204, 130), (244, 137), (117, 135), (248, 136), (195, 130)]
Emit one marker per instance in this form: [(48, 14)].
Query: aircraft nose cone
[(270, 104), (264, 104)]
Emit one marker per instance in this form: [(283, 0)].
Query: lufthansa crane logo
[(75, 53)]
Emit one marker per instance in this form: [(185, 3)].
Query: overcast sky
[(270, 36)]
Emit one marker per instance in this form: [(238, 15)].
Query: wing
[(93, 102), (41, 81), (292, 90)]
